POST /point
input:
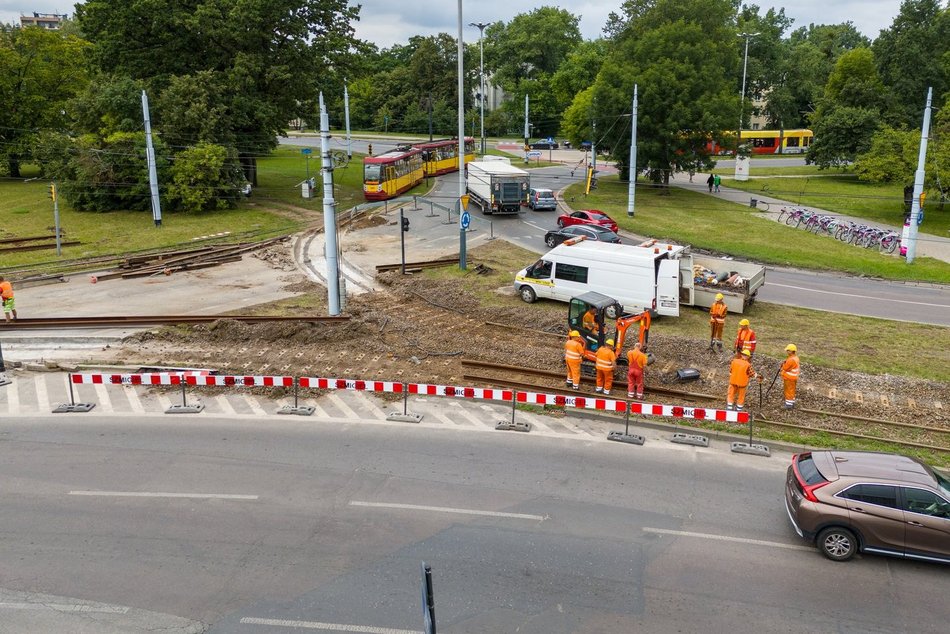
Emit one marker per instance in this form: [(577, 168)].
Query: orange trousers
[(605, 379), (736, 395), (789, 389), (715, 331), (574, 372)]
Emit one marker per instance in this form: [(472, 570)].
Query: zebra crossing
[(35, 394)]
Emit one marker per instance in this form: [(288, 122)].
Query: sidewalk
[(928, 245)]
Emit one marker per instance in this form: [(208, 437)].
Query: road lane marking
[(317, 625), (900, 301), (446, 509), (13, 398), (160, 494), (65, 607), (42, 398), (725, 538)]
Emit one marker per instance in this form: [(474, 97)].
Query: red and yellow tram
[(388, 175)]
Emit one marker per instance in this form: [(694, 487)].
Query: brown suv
[(850, 501)]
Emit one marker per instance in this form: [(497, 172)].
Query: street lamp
[(481, 76), (745, 62)]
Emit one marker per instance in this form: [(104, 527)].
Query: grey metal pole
[(461, 140), (329, 214), (527, 136), (346, 114), (745, 64), (481, 76), (632, 187), (152, 169), (919, 181), (59, 246)]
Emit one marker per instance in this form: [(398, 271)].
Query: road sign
[(534, 154), (465, 220), (465, 198), (306, 150)]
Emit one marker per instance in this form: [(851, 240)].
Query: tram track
[(154, 320), (687, 397)]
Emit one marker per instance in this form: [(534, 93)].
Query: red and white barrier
[(426, 389)]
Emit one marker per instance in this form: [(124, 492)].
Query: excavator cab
[(590, 314)]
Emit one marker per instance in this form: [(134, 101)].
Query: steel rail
[(156, 320), (427, 264)]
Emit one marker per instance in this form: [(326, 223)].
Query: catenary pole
[(919, 181), (632, 187), (745, 64), (346, 114), (527, 133), (481, 76), (150, 159), (461, 139), (329, 214)]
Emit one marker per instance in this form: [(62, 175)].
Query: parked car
[(544, 145), (555, 237), (539, 199), (847, 502), (587, 217)]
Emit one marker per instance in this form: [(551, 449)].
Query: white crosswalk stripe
[(367, 402), (340, 405), (134, 402), (42, 398), (225, 405), (254, 405), (13, 397), (164, 401), (104, 403), (466, 414), (317, 410)]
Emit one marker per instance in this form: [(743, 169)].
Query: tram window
[(791, 141), (371, 172)]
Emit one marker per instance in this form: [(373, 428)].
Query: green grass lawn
[(275, 207), (758, 169), (845, 194), (686, 217)]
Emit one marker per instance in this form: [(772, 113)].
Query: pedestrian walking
[(606, 362), (791, 369), (636, 363), (6, 297), (740, 371), (573, 355), (710, 182), (717, 321), (717, 180), (745, 338)]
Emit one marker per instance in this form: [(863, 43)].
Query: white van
[(653, 275), (637, 277)]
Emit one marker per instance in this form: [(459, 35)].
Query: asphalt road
[(820, 291), (323, 527)]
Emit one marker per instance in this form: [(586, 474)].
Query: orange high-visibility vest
[(745, 339), (573, 350), (740, 370), (791, 368), (717, 312), (606, 359)]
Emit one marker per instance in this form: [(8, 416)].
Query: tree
[(204, 177), (849, 112), (684, 56), (265, 59), (767, 64), (910, 57), (578, 71), (40, 71)]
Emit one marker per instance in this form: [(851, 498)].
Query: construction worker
[(745, 338), (6, 298), (644, 318), (790, 372), (740, 371), (589, 320), (573, 355), (606, 362), (717, 321), (636, 362)]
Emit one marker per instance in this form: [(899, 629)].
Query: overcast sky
[(388, 22)]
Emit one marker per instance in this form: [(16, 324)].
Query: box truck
[(653, 275), (497, 187)]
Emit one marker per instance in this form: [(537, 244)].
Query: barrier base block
[(752, 450), (631, 439), (399, 417), (69, 408), (302, 410), (4, 380), (690, 439), (185, 409), (507, 425)]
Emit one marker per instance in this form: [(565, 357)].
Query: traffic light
[(52, 192), (369, 149), (405, 224)]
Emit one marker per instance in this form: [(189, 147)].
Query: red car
[(587, 217)]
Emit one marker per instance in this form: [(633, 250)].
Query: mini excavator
[(590, 313)]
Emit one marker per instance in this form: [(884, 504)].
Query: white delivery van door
[(668, 288)]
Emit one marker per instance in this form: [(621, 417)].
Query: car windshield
[(943, 481), (607, 236)]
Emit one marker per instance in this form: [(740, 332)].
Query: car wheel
[(527, 294), (560, 223), (550, 241), (837, 544)]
